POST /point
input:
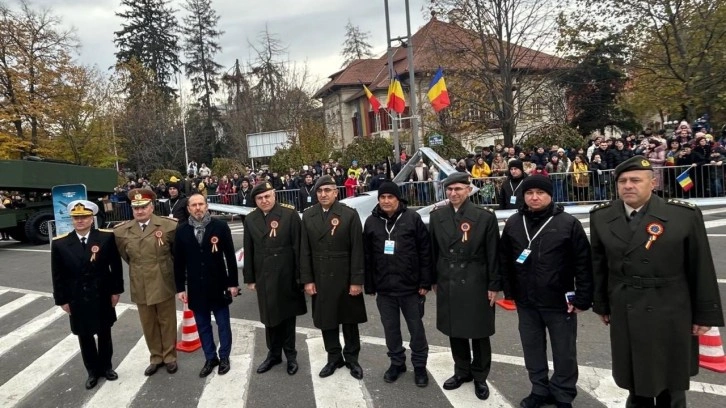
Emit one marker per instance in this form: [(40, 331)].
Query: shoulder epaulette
[(285, 205), (105, 229), (61, 236), (309, 208), (118, 225), (436, 208), (490, 209), (601, 206), (682, 203)]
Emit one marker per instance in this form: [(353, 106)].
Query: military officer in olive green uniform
[(272, 269), (145, 243), (655, 286), (331, 267), (465, 241)]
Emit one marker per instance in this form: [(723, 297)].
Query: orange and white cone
[(507, 304), (190, 336), (710, 351)]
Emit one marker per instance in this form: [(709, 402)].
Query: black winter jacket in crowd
[(615, 157), (409, 268)]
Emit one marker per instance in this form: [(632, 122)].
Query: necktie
[(83, 242), (325, 215), (143, 227), (632, 215)]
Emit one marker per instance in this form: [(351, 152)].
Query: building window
[(385, 120), (356, 128)]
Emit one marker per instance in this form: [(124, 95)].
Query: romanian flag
[(396, 101), (372, 99), (438, 95), (685, 181)]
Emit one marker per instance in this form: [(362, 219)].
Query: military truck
[(32, 180)]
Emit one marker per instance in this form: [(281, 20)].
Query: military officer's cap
[(458, 177), (82, 208), (633, 163), (261, 188), (324, 181), (140, 197)]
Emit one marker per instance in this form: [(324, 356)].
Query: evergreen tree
[(149, 35), (356, 45)]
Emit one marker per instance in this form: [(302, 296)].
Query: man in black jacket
[(618, 155), (547, 269), (510, 197), (398, 269), (177, 203)]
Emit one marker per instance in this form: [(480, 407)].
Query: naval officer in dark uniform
[(465, 241), (655, 286)]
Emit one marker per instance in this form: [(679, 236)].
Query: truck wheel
[(38, 229), (18, 233)]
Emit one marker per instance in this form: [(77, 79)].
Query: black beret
[(537, 181), (633, 163), (324, 181), (261, 188), (458, 177)]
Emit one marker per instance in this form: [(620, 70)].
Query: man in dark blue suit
[(205, 270), (87, 282)]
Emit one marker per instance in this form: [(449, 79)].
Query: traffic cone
[(507, 304), (190, 336), (710, 351)]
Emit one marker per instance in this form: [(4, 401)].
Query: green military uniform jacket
[(653, 295), (149, 255), (332, 258), (272, 263), (465, 270)]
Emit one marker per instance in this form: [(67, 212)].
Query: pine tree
[(356, 45)]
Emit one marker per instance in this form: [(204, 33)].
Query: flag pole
[(396, 142), (411, 84)]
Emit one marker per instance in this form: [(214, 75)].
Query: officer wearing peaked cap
[(87, 282), (655, 286)]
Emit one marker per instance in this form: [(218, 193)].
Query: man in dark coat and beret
[(87, 283), (465, 241), (272, 269), (331, 267), (655, 286)]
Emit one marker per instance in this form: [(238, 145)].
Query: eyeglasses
[(455, 189)]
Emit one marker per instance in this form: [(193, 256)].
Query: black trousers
[(351, 336), (412, 308), (282, 338), (562, 327), (666, 399), (96, 359), (464, 366)]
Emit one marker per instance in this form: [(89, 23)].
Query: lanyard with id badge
[(525, 253), (513, 198), (389, 245)]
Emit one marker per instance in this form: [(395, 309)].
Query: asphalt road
[(40, 365)]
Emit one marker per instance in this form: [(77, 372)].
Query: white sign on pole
[(264, 144)]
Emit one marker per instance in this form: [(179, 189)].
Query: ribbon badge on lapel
[(214, 241), (465, 227), (655, 230), (94, 251), (274, 224), (334, 222), (159, 234)]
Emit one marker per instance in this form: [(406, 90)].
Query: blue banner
[(62, 196)]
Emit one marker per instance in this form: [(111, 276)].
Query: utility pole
[(391, 74)]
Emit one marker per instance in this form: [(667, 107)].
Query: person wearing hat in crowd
[(146, 243), (205, 272), (547, 270), (655, 286), (510, 196), (306, 196), (244, 194), (87, 283), (272, 270), (331, 268), (398, 270), (465, 240), (177, 202)]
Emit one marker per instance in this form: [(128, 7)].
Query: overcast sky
[(313, 29)]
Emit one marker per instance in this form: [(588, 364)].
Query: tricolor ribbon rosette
[(214, 241), (273, 225), (94, 251), (655, 230), (334, 223), (159, 234), (465, 227)]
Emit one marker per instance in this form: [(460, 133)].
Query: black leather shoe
[(208, 367), (420, 377), (330, 368), (455, 382), (534, 401), (291, 367), (481, 390), (172, 367), (91, 382), (151, 369), (223, 366), (110, 375), (393, 372), (356, 371), (268, 364)]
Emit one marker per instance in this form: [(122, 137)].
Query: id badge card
[(513, 200), (244, 202), (523, 256), (389, 246), (310, 199)]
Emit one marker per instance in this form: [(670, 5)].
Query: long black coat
[(465, 271), (272, 263), (207, 274), (653, 296), (87, 285), (333, 261), (511, 188)]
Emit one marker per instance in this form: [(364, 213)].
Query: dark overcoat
[(465, 270), (207, 271), (653, 296), (272, 263), (333, 259), (87, 285)]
